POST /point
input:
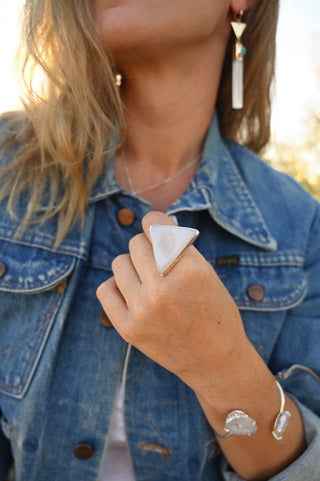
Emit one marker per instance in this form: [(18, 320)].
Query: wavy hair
[(62, 136)]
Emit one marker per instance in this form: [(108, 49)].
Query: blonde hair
[(61, 137)]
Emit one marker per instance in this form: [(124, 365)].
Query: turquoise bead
[(243, 51)]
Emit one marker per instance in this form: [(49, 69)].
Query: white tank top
[(117, 465)]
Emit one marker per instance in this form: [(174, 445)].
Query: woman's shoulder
[(269, 185), (290, 212)]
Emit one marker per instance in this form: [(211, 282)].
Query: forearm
[(251, 387)]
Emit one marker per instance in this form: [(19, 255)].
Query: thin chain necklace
[(157, 184)]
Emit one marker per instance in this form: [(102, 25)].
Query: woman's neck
[(169, 107)]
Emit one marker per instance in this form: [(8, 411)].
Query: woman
[(88, 168)]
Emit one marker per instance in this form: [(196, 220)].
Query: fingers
[(119, 293), (137, 270), (142, 258), (112, 301), (126, 279)]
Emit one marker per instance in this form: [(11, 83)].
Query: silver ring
[(169, 243)]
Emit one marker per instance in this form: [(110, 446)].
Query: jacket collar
[(231, 203), (217, 186)]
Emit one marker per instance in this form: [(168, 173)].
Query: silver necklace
[(157, 184)]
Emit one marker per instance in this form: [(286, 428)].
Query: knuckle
[(99, 292), (155, 217), (103, 289), (158, 296), (135, 241), (138, 312), (117, 262), (200, 268), (130, 335), (151, 218)]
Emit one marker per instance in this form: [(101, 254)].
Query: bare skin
[(170, 72), (172, 78)]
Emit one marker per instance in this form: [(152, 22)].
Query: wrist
[(239, 423), (246, 385), (234, 379)]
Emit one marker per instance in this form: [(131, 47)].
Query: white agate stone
[(280, 424), (237, 84), (240, 423), (168, 244)]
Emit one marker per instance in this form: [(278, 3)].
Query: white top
[(117, 464)]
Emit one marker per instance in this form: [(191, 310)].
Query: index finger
[(156, 218)]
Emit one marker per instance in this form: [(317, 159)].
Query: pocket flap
[(265, 282), (29, 270)]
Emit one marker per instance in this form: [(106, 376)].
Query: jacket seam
[(64, 249), (17, 389)]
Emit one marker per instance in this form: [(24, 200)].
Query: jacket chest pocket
[(264, 282), (264, 286), (31, 292)]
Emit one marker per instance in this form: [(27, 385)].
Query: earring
[(118, 79), (239, 52)]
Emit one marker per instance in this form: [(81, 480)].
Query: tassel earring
[(239, 52)]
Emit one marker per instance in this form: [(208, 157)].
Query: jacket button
[(104, 319), (3, 269), (126, 217), (83, 451), (61, 287), (256, 292)]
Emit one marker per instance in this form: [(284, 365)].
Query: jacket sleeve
[(296, 360)]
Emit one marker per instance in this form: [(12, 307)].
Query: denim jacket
[(60, 367)]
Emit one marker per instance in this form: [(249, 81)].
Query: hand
[(188, 323), (185, 321)]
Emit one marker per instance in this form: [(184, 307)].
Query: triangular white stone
[(168, 244), (238, 28)]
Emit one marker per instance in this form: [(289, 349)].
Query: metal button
[(153, 448), (61, 287), (256, 292), (3, 269), (126, 217), (83, 451), (104, 319)]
